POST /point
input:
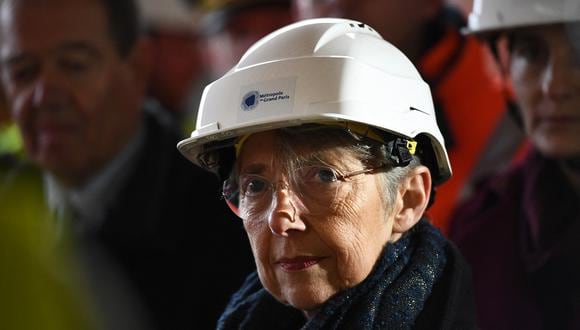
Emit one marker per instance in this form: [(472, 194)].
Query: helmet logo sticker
[(253, 98), (250, 100), (266, 99)]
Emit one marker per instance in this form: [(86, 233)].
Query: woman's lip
[(557, 122), (298, 263)]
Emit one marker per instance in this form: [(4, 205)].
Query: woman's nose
[(284, 216)]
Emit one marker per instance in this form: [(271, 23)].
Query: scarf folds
[(391, 297)]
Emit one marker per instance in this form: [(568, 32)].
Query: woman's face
[(306, 252), (545, 72)]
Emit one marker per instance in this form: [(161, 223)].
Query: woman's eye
[(322, 174), (254, 186), (529, 49)]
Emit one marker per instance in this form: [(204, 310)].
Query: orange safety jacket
[(471, 101)]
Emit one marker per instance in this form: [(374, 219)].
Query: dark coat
[(182, 251)]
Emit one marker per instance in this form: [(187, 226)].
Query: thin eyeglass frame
[(272, 187)]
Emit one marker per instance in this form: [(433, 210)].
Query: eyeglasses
[(316, 186)]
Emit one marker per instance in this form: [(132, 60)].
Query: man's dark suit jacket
[(172, 237)]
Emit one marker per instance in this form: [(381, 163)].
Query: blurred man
[(74, 72)]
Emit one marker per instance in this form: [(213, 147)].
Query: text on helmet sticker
[(267, 99)]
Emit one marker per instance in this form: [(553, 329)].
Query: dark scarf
[(391, 297)]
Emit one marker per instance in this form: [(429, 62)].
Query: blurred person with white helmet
[(520, 231), (326, 139)]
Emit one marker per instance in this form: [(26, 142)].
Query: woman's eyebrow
[(253, 168)]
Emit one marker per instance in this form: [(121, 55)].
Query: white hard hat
[(494, 15), (314, 71)]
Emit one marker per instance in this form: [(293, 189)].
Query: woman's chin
[(306, 300), (559, 151), (558, 145)]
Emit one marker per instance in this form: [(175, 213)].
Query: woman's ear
[(414, 195)]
